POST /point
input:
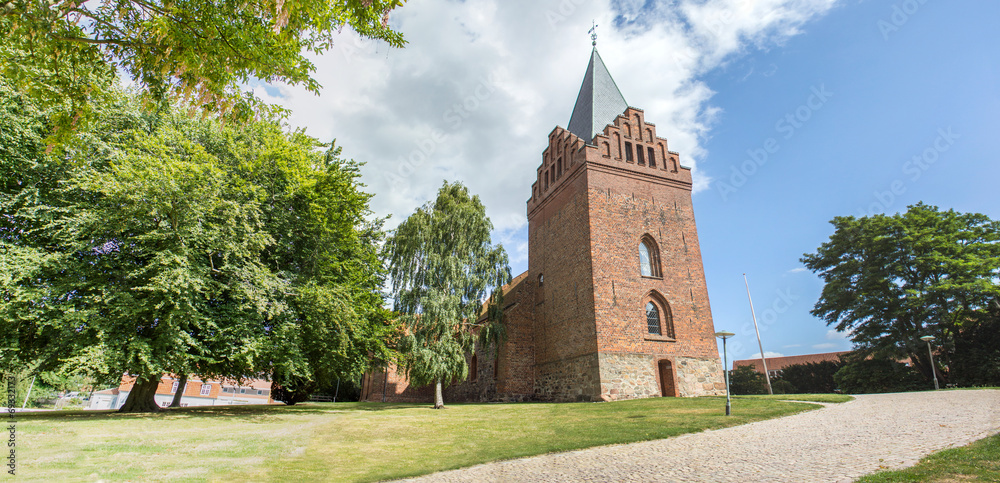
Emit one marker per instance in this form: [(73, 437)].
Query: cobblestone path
[(838, 443)]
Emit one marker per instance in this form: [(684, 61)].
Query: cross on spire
[(593, 34)]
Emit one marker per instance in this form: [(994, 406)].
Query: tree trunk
[(142, 397), (176, 403), (438, 398)]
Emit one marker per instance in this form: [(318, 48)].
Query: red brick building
[(614, 303), (196, 392)]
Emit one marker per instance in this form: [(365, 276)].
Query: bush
[(781, 386), (976, 361), (745, 380), (878, 375), (811, 377)]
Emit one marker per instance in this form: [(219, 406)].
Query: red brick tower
[(620, 306)]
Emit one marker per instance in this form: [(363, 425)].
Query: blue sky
[(840, 95), (892, 97)]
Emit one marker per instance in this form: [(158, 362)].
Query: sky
[(790, 112)]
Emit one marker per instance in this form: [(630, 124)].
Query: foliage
[(781, 386), (976, 361), (891, 279), (163, 243), (200, 50), (745, 380), (865, 376), (811, 377), (443, 266), (299, 392)]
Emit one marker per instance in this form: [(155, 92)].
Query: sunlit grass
[(348, 441), (979, 461)]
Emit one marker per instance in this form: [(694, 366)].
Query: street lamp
[(725, 364), (928, 339)]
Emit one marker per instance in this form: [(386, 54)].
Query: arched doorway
[(667, 387)]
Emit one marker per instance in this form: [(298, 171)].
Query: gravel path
[(840, 442)]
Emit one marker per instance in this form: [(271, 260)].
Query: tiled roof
[(779, 363), (598, 103)]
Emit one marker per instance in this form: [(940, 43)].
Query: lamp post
[(725, 364), (928, 339)]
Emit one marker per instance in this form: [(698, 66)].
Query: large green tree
[(890, 279), (164, 243), (205, 51), (444, 269)]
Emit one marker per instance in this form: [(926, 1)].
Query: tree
[(443, 266), (746, 380), (164, 243), (891, 279), (201, 50)]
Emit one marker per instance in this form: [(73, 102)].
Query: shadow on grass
[(238, 412), (261, 413)]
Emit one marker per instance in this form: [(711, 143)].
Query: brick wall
[(396, 388), (559, 250)]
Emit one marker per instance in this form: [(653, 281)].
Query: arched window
[(653, 318), (659, 319), (649, 258)]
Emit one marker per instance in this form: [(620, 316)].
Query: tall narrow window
[(640, 154), (474, 368), (652, 157), (649, 258), (628, 151), (546, 179), (559, 168), (653, 318)]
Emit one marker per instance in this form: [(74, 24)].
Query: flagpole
[(759, 344)]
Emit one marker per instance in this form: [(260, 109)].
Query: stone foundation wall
[(699, 377), (573, 379), (628, 376)]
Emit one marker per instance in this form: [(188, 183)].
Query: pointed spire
[(598, 103)]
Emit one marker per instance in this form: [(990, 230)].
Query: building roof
[(779, 363), (598, 103)]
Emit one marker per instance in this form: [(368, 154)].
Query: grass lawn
[(979, 461), (350, 441)]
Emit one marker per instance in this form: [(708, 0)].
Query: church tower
[(621, 306), (614, 303)]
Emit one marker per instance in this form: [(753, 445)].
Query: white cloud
[(481, 83), (798, 270), (825, 345), (834, 335), (791, 346), (768, 354)]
